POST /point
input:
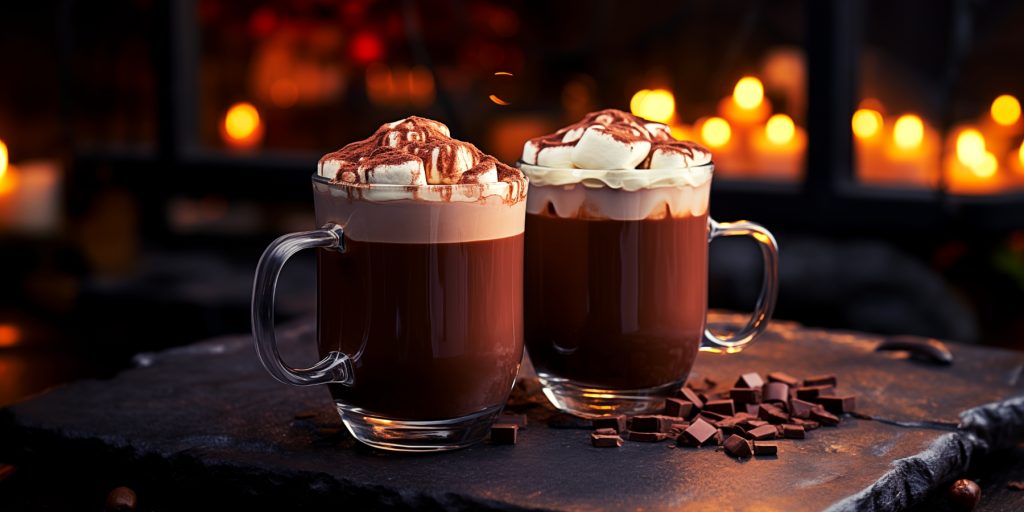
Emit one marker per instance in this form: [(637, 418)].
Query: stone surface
[(205, 422)]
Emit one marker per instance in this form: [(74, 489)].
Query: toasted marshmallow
[(659, 132), (602, 148), (393, 172), (483, 172), (677, 155)]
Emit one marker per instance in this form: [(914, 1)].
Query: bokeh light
[(748, 93), (780, 129), (716, 132), (3, 159), (908, 132), (866, 123), (970, 147), (10, 335), (988, 166), (1005, 110), (241, 121), (654, 104)]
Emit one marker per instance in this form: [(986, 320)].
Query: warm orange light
[(502, 73), (1005, 110), (1020, 154), (716, 132), (10, 335), (3, 159), (780, 129), (658, 105), (908, 132), (970, 147), (748, 93), (987, 168), (241, 121), (284, 93), (866, 123), (498, 100)]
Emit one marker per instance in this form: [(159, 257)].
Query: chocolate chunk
[(605, 441), (724, 407), (821, 380), (751, 409), (753, 423), (776, 392), (652, 423), (812, 392), (712, 417), (749, 380), (772, 414), (616, 422), (838, 404), (800, 408), (964, 494), (806, 424), (691, 396), (745, 395), (791, 431), (679, 408), (819, 414), (765, 448), (738, 447), (763, 432), (720, 437), (923, 349), (606, 432), (518, 420), (504, 433), (784, 378), (698, 433), (647, 437)]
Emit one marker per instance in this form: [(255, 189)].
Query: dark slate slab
[(207, 420)]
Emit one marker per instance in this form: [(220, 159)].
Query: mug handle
[(735, 342), (336, 367)]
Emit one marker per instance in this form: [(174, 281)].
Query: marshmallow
[(408, 172), (601, 147), (659, 132), (678, 156), (559, 156)]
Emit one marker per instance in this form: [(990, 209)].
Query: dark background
[(158, 219)]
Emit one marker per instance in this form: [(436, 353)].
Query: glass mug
[(616, 284), (419, 308)]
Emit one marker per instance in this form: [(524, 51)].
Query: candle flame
[(780, 129), (748, 93), (1005, 110), (241, 121), (657, 105), (1020, 154), (3, 159), (716, 132), (866, 123), (970, 147), (987, 168), (908, 132)]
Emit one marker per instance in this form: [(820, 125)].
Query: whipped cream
[(420, 157)]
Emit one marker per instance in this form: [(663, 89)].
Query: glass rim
[(395, 186), (616, 173)]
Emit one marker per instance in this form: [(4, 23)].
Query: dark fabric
[(983, 430)]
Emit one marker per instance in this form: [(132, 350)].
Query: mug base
[(417, 436), (592, 402)]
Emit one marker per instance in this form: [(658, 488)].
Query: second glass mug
[(616, 284), (419, 308)]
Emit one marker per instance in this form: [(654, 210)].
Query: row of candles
[(750, 141)]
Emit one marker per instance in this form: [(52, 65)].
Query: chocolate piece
[(724, 407), (738, 447), (776, 392), (121, 499), (784, 378), (691, 396), (749, 380), (806, 424), (605, 441), (800, 408), (652, 423), (616, 422), (819, 414), (753, 423), (745, 395), (772, 414), (821, 380), (812, 392), (792, 431), (720, 437), (679, 408), (765, 448), (606, 432), (751, 409), (698, 433), (712, 417), (838, 404), (763, 432), (647, 437), (964, 494), (518, 420), (922, 349), (504, 433)]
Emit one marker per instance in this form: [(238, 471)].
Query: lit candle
[(868, 126), (779, 148), (716, 133), (29, 195), (747, 106), (657, 105), (242, 127), (911, 153), (971, 167)]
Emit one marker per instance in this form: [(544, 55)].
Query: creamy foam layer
[(577, 201), (629, 180), (448, 214)]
